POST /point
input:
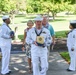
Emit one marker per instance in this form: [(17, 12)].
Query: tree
[(33, 6), (69, 8), (53, 8), (20, 5), (12, 6), (7, 6)]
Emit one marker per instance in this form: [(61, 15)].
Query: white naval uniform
[(5, 44), (39, 53), (71, 43)]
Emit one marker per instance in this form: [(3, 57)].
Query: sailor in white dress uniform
[(71, 44), (39, 38), (5, 44)]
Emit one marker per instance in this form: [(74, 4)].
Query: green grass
[(0, 57), (57, 20), (21, 37), (61, 34), (66, 56), (18, 16)]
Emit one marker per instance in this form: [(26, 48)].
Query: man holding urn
[(39, 38)]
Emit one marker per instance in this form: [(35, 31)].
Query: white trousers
[(42, 59), (5, 59), (73, 60)]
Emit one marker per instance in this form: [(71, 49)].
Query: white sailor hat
[(5, 17), (73, 22), (38, 18)]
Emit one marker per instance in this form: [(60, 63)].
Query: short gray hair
[(45, 16)]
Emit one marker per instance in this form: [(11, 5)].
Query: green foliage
[(47, 6), (7, 5), (37, 6), (68, 7), (20, 5), (34, 6), (74, 8), (29, 9), (12, 5)]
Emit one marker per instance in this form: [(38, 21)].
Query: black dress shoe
[(7, 73), (69, 70)]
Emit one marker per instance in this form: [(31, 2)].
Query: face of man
[(38, 24), (44, 22), (8, 21)]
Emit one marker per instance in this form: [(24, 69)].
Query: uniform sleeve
[(74, 41), (28, 38), (48, 40), (4, 33), (51, 29)]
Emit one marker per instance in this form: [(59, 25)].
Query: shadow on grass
[(23, 21), (30, 17), (18, 16), (63, 16)]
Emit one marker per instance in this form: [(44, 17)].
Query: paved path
[(57, 65)]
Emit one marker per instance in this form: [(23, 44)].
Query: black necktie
[(37, 33)]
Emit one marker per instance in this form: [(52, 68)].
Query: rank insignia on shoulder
[(73, 36)]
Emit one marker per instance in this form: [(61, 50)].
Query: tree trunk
[(12, 18), (53, 14), (48, 14)]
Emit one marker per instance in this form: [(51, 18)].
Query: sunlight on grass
[(61, 34), (66, 56)]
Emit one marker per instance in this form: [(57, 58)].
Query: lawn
[(66, 56), (58, 34), (61, 34)]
